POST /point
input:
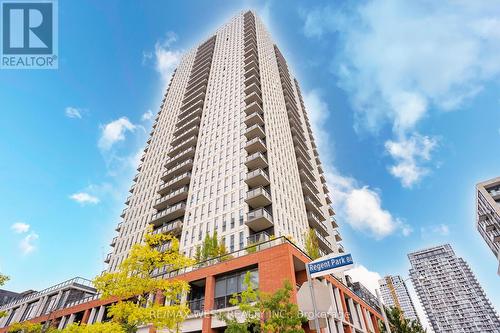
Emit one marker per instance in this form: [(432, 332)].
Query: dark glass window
[(228, 285)]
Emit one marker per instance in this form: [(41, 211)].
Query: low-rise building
[(214, 282)]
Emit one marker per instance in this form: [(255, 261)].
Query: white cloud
[(366, 277), (360, 206), (439, 229), (72, 112), (20, 227), (166, 58), (410, 154), (147, 116), (84, 198), (114, 132), (27, 244), (398, 61)]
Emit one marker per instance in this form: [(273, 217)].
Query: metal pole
[(313, 298), (382, 309)]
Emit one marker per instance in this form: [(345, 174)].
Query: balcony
[(252, 79), (169, 214), (325, 188), (255, 131), (119, 227), (299, 152), (183, 145), (309, 191), (252, 71), (179, 158), (249, 47), (259, 219), (315, 222), (178, 181), (193, 92), (192, 127), (254, 107), (253, 97), (113, 241), (186, 117), (124, 211), (108, 258), (306, 166), (305, 178), (255, 145), (336, 235), (255, 161), (341, 248), (313, 207), (179, 168), (194, 87), (328, 200), (174, 227), (250, 50), (186, 109), (258, 238), (127, 201), (171, 198), (333, 220), (250, 58), (257, 178), (323, 242), (254, 119), (251, 65), (254, 87), (258, 197)]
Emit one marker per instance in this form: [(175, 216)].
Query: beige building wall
[(212, 191)]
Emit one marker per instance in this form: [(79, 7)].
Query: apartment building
[(488, 214), (231, 151), (395, 294), (453, 299)]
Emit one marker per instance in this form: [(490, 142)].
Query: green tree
[(264, 312), (133, 284), (211, 248), (109, 327), (311, 244), (29, 327), (399, 324)]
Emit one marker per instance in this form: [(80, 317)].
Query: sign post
[(325, 266), (315, 310)]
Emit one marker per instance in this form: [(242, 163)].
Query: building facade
[(211, 286), (395, 294), (452, 298), (488, 214), (35, 304), (231, 151)]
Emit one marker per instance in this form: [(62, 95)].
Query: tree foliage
[(311, 244), (264, 312), (211, 247), (399, 324), (133, 284), (109, 327)]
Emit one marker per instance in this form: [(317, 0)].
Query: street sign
[(321, 294), (330, 264)]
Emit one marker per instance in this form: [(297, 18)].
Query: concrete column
[(354, 313), (362, 319), (58, 298), (209, 304), (19, 313), (92, 315), (4, 319), (62, 323), (71, 319), (41, 304), (100, 314)]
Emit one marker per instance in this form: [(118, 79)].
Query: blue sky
[(403, 98)]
